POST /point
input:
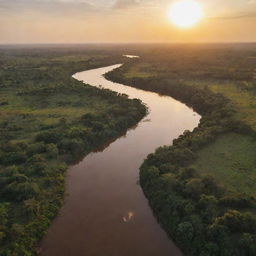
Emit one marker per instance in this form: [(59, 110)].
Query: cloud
[(49, 6), (121, 4), (237, 16)]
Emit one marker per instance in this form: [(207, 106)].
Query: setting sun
[(185, 13)]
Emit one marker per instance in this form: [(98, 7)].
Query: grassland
[(231, 159), (242, 95)]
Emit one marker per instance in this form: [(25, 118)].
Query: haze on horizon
[(87, 21)]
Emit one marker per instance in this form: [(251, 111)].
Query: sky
[(107, 21)]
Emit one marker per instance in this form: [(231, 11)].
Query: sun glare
[(185, 13)]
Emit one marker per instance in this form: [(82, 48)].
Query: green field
[(141, 70), (242, 94), (231, 159)]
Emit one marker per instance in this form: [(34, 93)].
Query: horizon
[(129, 43)]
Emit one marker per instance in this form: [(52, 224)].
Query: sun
[(185, 13)]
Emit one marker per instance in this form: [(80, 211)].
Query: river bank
[(105, 210)]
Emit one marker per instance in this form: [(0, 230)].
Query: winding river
[(105, 211)]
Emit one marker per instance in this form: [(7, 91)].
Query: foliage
[(49, 120)]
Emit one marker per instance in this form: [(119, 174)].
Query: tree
[(185, 234), (52, 151), (247, 244), (237, 221)]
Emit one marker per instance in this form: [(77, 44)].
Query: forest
[(48, 121), (201, 187)]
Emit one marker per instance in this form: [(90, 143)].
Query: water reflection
[(128, 217), (131, 56)]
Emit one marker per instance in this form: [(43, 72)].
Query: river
[(105, 211)]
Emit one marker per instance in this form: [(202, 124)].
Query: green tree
[(185, 234)]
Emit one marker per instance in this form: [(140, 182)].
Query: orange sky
[(81, 21)]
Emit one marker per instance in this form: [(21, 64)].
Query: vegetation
[(201, 188), (234, 155), (49, 120)]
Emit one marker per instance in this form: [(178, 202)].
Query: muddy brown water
[(105, 211)]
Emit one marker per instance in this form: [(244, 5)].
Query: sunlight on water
[(128, 217), (131, 56)]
